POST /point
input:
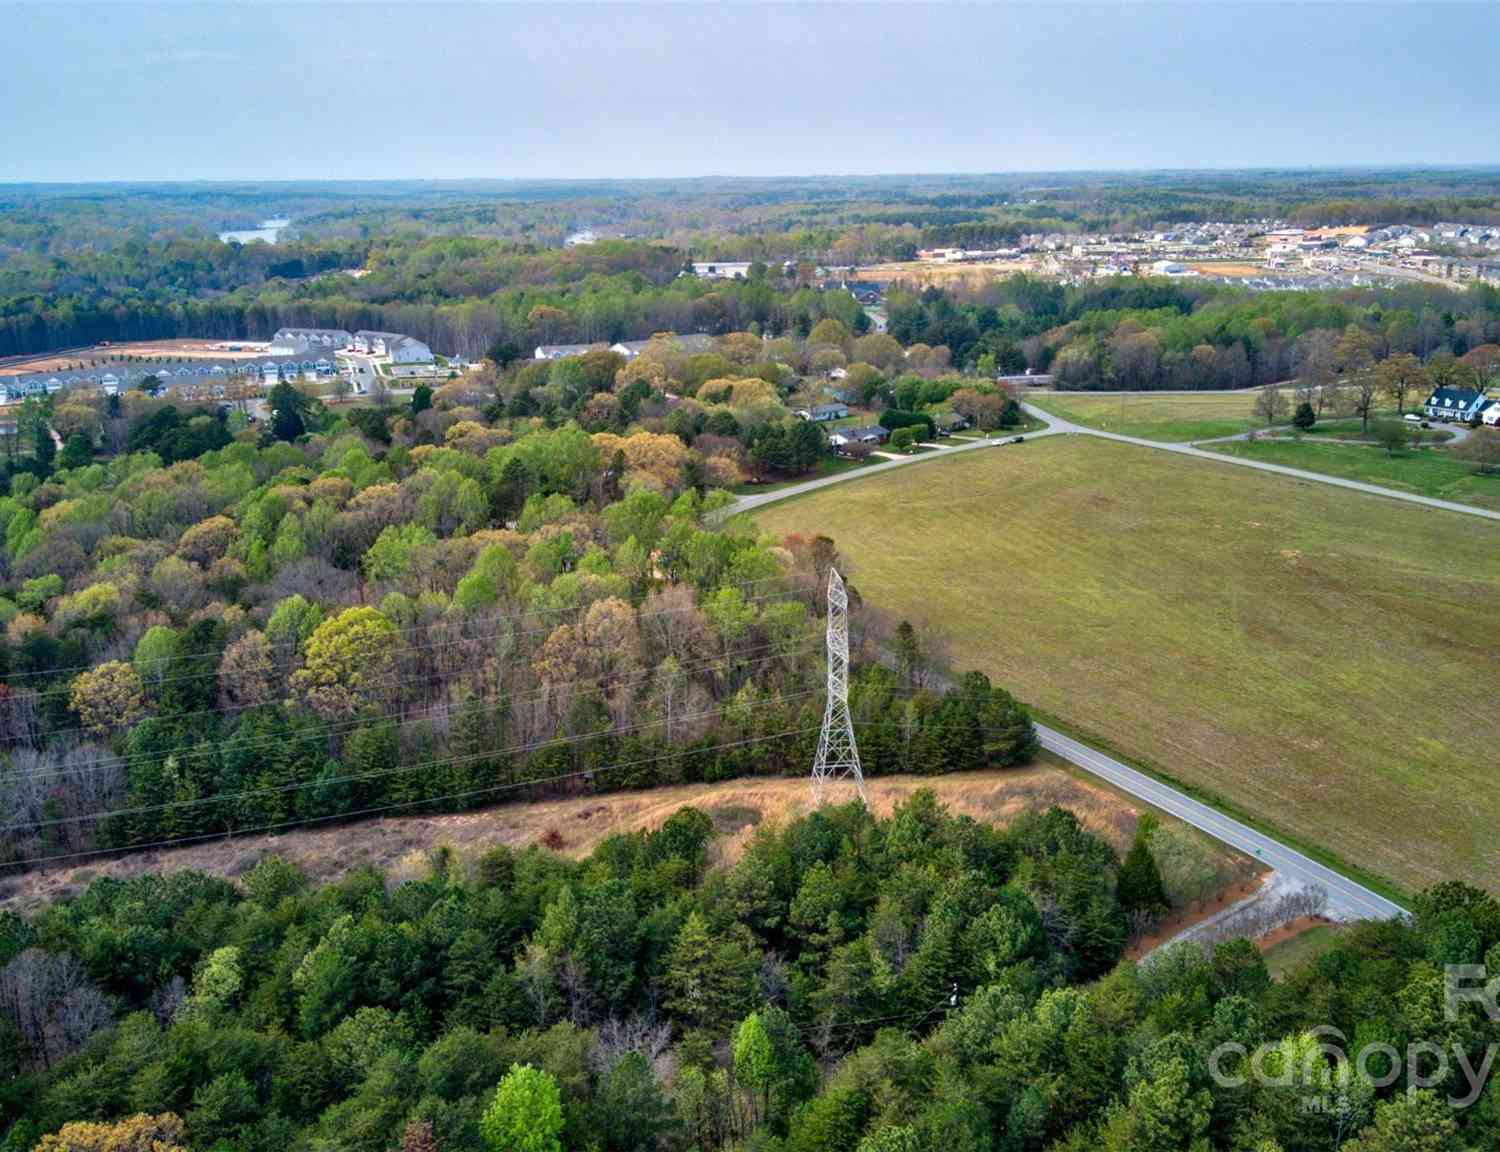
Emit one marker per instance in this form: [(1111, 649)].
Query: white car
[(1412, 418)]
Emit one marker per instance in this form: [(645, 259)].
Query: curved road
[(760, 499), (1056, 425), (1347, 899)]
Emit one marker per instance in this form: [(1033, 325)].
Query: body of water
[(268, 231)]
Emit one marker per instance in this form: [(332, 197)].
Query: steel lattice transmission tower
[(838, 757)]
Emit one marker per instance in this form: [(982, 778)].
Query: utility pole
[(838, 757)]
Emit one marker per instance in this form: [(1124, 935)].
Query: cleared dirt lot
[(103, 354)]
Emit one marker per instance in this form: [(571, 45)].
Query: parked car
[(1412, 418)]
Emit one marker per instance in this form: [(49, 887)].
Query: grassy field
[(1425, 471), (1291, 954), (827, 466), (1349, 428), (1320, 659), (1194, 416)]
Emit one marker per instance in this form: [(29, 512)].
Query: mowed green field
[(1194, 416), (1426, 471), (1324, 660)]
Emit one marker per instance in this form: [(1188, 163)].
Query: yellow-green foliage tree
[(108, 697), (138, 1133), (349, 663)]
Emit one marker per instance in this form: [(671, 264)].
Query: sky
[(250, 90)]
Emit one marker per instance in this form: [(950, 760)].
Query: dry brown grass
[(1241, 271), (402, 846), (921, 274)]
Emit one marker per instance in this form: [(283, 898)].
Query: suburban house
[(401, 349), (294, 341), (1453, 404), (561, 351), (409, 350), (721, 270), (949, 423), (692, 344), (844, 437), (1489, 416), (821, 413)]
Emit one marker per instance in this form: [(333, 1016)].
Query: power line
[(323, 732), (229, 834), (558, 741), (315, 782), (383, 807)]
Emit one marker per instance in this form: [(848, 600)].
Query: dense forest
[(524, 583), (917, 983), (517, 584), (466, 266)]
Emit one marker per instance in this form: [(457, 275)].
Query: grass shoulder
[(1372, 880), (1172, 418), (1423, 471), (826, 466)]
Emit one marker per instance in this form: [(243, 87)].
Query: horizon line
[(1408, 166)]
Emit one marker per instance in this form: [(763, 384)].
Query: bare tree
[(1270, 402), (53, 1005), (616, 1038), (1364, 388)]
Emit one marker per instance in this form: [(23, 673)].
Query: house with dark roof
[(1456, 405), (950, 422), (872, 435)]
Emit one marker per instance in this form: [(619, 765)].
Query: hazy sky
[(262, 91)]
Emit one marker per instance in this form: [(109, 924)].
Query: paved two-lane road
[(760, 499), (1058, 424), (1347, 900)]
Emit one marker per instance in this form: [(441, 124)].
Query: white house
[(408, 350), (1453, 404), (721, 269), (400, 348), (821, 413), (561, 351), (294, 341), (1490, 415), (692, 343)]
